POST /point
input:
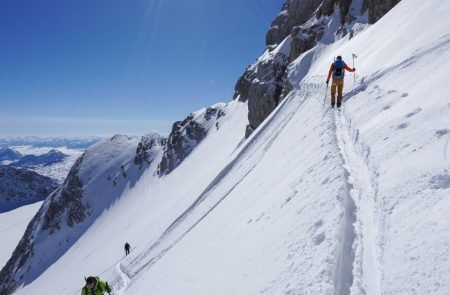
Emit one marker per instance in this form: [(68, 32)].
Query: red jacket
[(332, 69)]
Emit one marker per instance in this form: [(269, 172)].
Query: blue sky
[(100, 67)]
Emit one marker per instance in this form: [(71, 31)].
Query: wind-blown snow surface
[(316, 201)]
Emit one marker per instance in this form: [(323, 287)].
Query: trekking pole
[(325, 98), (354, 74)]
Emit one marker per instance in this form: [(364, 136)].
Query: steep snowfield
[(12, 227), (316, 201)]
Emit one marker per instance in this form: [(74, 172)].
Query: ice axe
[(354, 74)]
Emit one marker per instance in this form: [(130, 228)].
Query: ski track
[(124, 280), (357, 270)]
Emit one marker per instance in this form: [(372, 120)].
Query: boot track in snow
[(357, 270)]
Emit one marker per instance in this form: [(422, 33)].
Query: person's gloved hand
[(328, 81), (108, 288), (354, 69)]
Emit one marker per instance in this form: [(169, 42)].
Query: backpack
[(338, 72)]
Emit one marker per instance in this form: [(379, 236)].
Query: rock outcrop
[(378, 8), (293, 13), (147, 149), (187, 134), (66, 207)]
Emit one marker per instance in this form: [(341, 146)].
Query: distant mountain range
[(11, 157), (49, 156), (7, 154), (69, 142), (52, 157)]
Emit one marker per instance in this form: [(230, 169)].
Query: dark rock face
[(212, 112), (297, 29), (67, 203), (378, 8), (146, 149), (294, 13), (264, 84), (20, 186), (185, 136), (264, 95)]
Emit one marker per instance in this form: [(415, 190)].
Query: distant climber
[(95, 287), (127, 248), (338, 70)]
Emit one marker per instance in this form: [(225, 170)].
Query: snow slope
[(12, 227), (316, 201), (366, 189)]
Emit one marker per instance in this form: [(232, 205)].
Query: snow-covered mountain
[(50, 158), (312, 201), (8, 156), (51, 162), (20, 187)]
